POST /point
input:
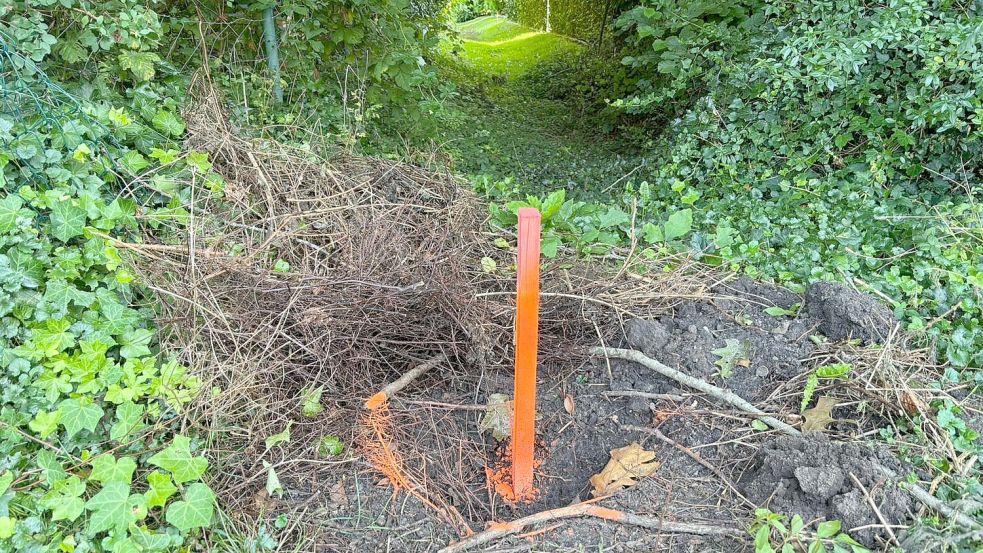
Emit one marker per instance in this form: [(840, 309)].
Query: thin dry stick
[(877, 511), (646, 395), (381, 397), (501, 529), (699, 384), (694, 456)]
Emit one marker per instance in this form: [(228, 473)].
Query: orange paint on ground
[(526, 344), (376, 401)]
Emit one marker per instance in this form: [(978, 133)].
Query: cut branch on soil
[(697, 383), (382, 396), (499, 530)]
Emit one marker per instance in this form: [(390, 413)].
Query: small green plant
[(833, 371), (775, 532)]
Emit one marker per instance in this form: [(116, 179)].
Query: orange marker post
[(526, 343)]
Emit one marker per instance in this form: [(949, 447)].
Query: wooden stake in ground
[(526, 344)]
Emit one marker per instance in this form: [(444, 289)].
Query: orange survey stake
[(526, 342)]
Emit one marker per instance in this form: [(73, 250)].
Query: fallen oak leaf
[(498, 417), (626, 466), (820, 416)]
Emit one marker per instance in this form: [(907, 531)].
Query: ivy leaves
[(113, 508), (67, 221), (177, 460), (195, 510), (79, 414)]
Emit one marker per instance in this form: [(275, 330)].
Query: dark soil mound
[(810, 476), (845, 314)]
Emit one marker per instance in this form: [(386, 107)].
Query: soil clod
[(809, 475)]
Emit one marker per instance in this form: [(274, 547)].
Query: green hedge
[(580, 19)]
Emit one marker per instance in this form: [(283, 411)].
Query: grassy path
[(503, 128)]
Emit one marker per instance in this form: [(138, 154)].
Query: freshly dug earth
[(387, 268), (808, 475), (811, 476)]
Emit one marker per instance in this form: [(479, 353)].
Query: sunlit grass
[(496, 46)]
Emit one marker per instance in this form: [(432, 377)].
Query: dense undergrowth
[(791, 141)]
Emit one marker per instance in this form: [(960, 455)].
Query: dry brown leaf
[(337, 494), (913, 404), (820, 416), (627, 464), (568, 403)]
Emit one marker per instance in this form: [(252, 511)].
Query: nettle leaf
[(65, 499), (195, 510), (67, 220), (679, 224), (129, 419), (80, 414), (110, 508), (169, 123), (161, 488), (106, 469), (177, 460)]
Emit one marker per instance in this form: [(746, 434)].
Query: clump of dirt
[(770, 348), (845, 314), (810, 475)]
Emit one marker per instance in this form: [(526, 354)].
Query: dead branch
[(875, 508), (382, 396), (694, 456), (697, 383), (499, 530)]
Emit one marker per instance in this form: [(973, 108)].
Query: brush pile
[(319, 281)]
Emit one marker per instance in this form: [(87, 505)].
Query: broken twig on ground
[(382, 396), (694, 456), (697, 383), (499, 530)]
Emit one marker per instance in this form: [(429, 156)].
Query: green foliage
[(354, 65), (733, 353), (330, 446), (836, 370), (676, 49), (495, 46), (845, 143), (79, 366), (775, 532), (580, 19)]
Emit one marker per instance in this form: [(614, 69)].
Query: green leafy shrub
[(90, 455), (677, 49), (846, 145), (580, 19)]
